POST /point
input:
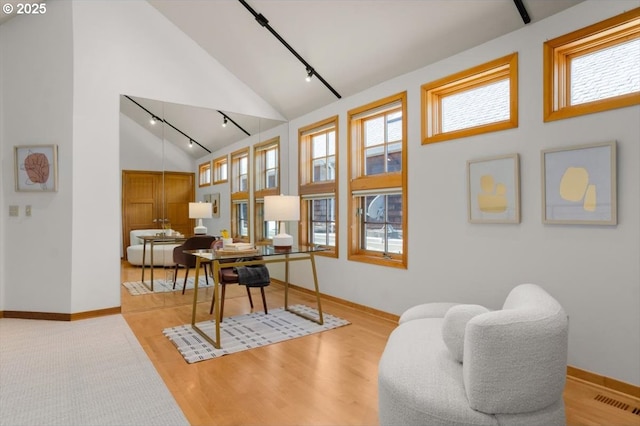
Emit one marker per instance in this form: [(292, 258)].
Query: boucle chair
[(455, 364)]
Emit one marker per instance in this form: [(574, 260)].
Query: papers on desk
[(238, 247)]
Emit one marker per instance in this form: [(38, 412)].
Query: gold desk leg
[(151, 265), (144, 255), (286, 283), (315, 283), (320, 319), (216, 287)]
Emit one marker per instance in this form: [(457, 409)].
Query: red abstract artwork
[(37, 167)]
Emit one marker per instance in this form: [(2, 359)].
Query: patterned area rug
[(248, 331), (136, 288)]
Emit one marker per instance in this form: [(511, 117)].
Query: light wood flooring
[(324, 379)]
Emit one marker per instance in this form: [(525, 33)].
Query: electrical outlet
[(27, 210), (14, 211)]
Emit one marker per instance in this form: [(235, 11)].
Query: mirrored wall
[(162, 145)]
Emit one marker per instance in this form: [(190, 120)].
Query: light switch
[(14, 211), (27, 210)]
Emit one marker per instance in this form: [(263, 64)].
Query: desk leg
[(216, 294), (151, 266), (320, 319), (286, 283), (144, 257), (315, 283)]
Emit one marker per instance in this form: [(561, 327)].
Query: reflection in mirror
[(161, 147)]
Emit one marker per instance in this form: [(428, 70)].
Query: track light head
[(190, 143), (309, 74), (224, 122), (153, 120)]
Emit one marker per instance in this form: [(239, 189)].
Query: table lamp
[(281, 208), (200, 211)]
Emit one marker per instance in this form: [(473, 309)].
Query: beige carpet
[(87, 372)]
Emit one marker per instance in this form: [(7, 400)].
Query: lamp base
[(282, 241), (200, 230)]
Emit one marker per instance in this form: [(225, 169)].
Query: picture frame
[(579, 185), (36, 168), (214, 199), (493, 189)]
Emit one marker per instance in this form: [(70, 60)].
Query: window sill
[(379, 260)]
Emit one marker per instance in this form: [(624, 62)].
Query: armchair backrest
[(197, 242), (515, 359)]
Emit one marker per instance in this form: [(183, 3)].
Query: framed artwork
[(214, 199), (579, 185), (493, 189), (36, 168)]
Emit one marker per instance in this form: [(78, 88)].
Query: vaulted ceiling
[(352, 44)]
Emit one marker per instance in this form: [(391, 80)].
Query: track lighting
[(227, 119), (264, 22), (154, 119)]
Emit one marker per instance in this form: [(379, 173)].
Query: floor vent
[(617, 404)]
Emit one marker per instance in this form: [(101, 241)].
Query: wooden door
[(152, 199), (179, 190)]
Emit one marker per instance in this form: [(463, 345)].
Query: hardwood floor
[(323, 379)]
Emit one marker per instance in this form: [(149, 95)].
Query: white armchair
[(162, 253), (454, 364)]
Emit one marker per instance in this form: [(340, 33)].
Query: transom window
[(318, 164), (204, 174), (594, 69), (478, 100), (220, 170), (377, 149)]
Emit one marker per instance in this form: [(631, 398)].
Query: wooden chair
[(189, 261)]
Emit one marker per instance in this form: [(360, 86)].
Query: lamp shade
[(200, 210), (281, 207)]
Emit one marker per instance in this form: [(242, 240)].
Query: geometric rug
[(248, 331), (136, 288)]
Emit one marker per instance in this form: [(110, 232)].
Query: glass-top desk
[(160, 238), (269, 255)]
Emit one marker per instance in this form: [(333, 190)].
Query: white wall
[(62, 77), (594, 271), (36, 87)]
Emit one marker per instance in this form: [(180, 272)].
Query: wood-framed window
[(240, 220), (318, 188), (240, 173), (264, 230), (593, 69), (377, 151), (267, 182), (479, 100), (220, 170), (204, 174), (267, 167), (240, 195)]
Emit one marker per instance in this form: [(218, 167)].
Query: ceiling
[(352, 44)]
